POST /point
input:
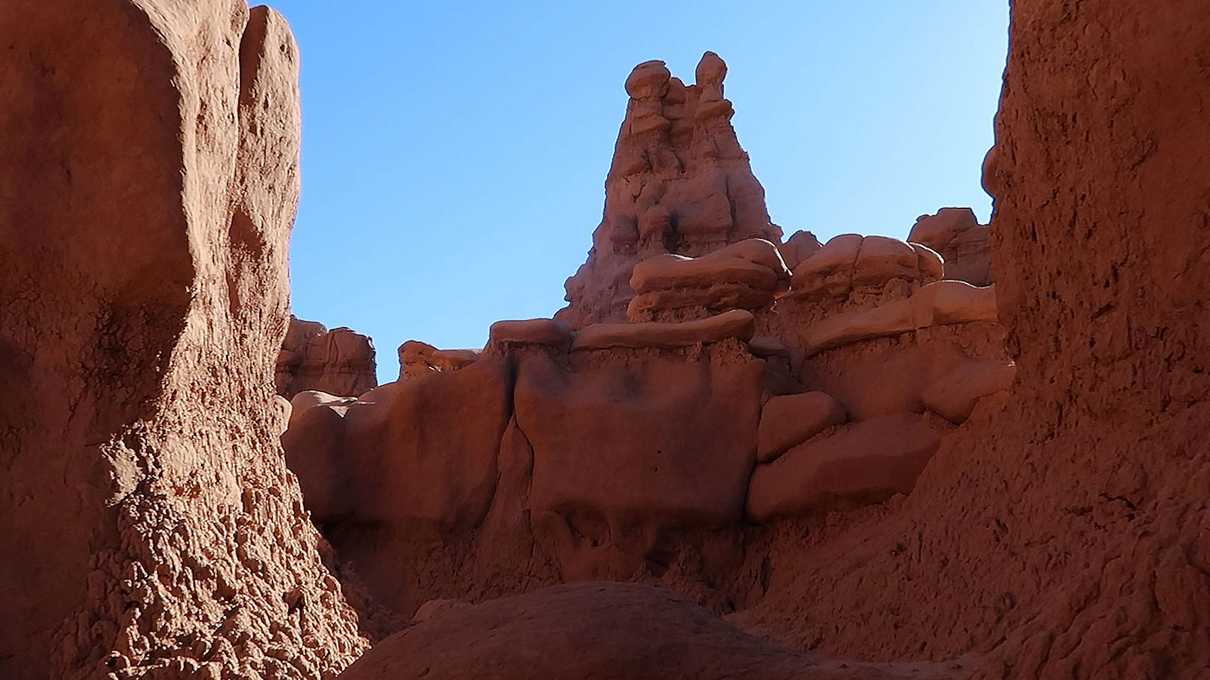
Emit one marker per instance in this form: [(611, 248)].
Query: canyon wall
[(149, 178), (1062, 534)]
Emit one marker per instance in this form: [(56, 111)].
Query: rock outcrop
[(732, 395), (337, 361), (417, 359), (865, 463), (680, 183), (852, 262), (744, 275), (847, 451), (964, 244), (148, 523)]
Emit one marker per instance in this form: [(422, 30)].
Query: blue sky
[(454, 154)]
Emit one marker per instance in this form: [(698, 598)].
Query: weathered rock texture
[(680, 183), (1063, 533), (337, 361), (149, 177)]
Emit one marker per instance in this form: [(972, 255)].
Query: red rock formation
[(859, 466), (679, 183), (1060, 531), (745, 275), (148, 525), (339, 361), (641, 449), (962, 242), (1063, 533), (417, 359)]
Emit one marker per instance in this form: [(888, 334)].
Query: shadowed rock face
[(680, 183), (148, 522), (607, 631)]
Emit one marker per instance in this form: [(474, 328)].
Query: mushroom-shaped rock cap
[(648, 79), (711, 69)]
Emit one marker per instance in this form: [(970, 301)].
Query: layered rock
[(149, 525), (965, 244), (578, 457), (339, 361), (937, 304), (867, 462), (851, 262), (744, 275), (679, 183)]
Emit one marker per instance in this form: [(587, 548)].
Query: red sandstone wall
[(148, 524)]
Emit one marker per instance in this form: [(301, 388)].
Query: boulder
[(435, 461), (315, 451), (791, 419), (936, 231), (850, 261), (929, 262), (830, 270), (881, 259), (743, 275), (865, 463), (677, 271), (954, 396), (958, 237)]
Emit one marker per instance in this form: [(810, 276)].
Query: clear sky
[(454, 153)]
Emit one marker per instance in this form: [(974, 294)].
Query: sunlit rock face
[(679, 183), (338, 361), (149, 526)]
